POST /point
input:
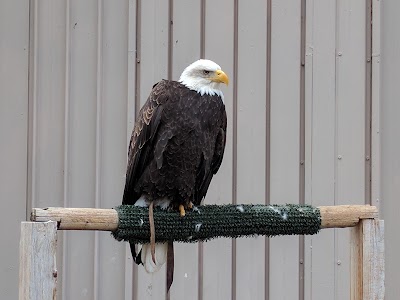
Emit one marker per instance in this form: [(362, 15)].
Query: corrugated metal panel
[(186, 49), (285, 140), (390, 121), (251, 112), (92, 65), (350, 124), (130, 270), (112, 88), (14, 50), (320, 142), (152, 66), (217, 282), (76, 108)]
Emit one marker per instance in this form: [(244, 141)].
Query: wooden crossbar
[(38, 274), (107, 219)]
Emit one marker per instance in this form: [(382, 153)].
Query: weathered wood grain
[(341, 216), (368, 261), (107, 219), (78, 218), (37, 268)]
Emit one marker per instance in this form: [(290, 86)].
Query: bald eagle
[(176, 147)]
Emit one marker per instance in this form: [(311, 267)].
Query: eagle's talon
[(182, 212)]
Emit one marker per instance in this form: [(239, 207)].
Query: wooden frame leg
[(368, 260), (37, 266)]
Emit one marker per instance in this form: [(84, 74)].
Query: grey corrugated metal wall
[(304, 94)]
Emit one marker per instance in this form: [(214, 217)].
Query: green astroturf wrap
[(211, 221)]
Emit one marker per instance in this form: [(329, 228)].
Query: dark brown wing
[(141, 146), (205, 173)]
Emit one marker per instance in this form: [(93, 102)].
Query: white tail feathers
[(161, 257), (161, 248)]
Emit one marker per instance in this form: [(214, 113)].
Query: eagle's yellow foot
[(182, 210), (190, 205)]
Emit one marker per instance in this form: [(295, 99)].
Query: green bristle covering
[(212, 221)]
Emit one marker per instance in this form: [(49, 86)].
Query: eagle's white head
[(204, 76)]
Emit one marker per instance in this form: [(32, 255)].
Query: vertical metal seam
[(170, 65), (202, 55), (170, 38), (130, 286), (312, 18), (368, 101), (99, 71), (138, 54), (302, 140), (336, 146), (202, 28), (138, 44), (376, 161), (234, 135), (33, 108), (312, 132), (268, 142), (31, 78), (64, 293)]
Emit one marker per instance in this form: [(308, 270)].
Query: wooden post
[(368, 260), (37, 266)]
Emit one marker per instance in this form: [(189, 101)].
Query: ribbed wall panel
[(14, 118), (251, 112), (285, 140), (217, 282), (320, 142), (91, 65)]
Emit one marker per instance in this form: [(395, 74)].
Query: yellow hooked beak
[(220, 77)]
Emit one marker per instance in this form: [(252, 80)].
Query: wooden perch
[(107, 219), (78, 218), (38, 274), (346, 215)]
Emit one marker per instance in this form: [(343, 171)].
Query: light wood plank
[(356, 261), (368, 261), (78, 218), (346, 215), (37, 272), (373, 259)]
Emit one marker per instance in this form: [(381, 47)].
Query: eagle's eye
[(206, 72)]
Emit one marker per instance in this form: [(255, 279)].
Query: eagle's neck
[(201, 86)]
